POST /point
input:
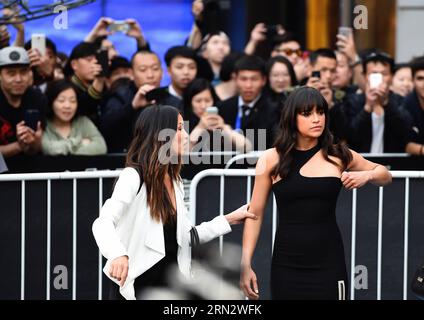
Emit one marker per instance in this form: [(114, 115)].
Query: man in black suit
[(249, 111), (181, 62)]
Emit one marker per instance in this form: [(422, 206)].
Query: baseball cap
[(13, 56), (81, 50), (377, 55)]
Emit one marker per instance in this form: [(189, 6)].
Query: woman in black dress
[(306, 171)]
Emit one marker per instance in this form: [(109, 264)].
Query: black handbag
[(194, 240), (417, 284)]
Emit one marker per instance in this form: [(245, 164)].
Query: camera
[(271, 31), (119, 26)]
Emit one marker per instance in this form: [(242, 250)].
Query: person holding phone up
[(204, 120), (21, 106), (89, 81), (376, 123)]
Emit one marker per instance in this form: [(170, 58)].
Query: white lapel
[(182, 226), (154, 237)]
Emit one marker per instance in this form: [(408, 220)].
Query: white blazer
[(125, 227)]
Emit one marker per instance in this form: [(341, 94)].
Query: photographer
[(376, 121), (21, 106), (215, 47), (89, 81), (323, 74), (42, 66), (128, 100)]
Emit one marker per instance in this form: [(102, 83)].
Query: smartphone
[(103, 59), (376, 79), (38, 41), (31, 118), (119, 26), (345, 31), (316, 74), (212, 110), (271, 31), (157, 94)]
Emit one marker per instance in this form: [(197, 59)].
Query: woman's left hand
[(354, 180), (238, 216)]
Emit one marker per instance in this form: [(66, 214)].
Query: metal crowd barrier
[(222, 173), (48, 177)]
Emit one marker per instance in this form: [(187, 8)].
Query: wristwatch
[(355, 62)]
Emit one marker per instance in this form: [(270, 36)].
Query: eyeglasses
[(289, 52)]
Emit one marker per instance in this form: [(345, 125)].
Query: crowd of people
[(75, 104)]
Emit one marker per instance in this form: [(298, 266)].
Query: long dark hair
[(54, 88), (194, 88), (145, 155), (301, 100)]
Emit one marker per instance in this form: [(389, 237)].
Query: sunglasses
[(289, 52)]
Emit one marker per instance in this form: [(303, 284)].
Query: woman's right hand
[(249, 283), (119, 269)]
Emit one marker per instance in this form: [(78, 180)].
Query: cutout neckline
[(318, 149)]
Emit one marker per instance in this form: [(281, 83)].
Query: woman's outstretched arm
[(263, 183)]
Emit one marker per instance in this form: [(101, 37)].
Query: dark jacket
[(262, 116), (415, 117), (360, 125), (89, 100), (168, 99), (118, 118)]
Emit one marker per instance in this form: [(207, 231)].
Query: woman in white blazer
[(143, 228)]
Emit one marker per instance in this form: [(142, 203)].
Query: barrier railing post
[(23, 240), (49, 213), (74, 240), (353, 247), (405, 241), (380, 241), (100, 271)]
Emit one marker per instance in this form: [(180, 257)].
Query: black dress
[(308, 260), (156, 276)]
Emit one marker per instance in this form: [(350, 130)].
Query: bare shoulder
[(271, 157), (335, 159), (267, 161)]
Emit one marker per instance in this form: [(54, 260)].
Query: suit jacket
[(262, 116), (168, 99), (118, 117), (126, 228)]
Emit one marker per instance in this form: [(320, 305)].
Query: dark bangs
[(309, 99)]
